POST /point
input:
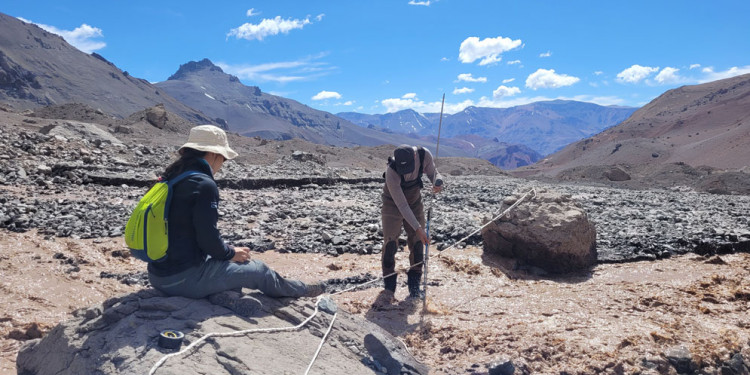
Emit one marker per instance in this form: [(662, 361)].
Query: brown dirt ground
[(479, 308)]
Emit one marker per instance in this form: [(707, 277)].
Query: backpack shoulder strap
[(174, 180), (420, 150), (170, 183)]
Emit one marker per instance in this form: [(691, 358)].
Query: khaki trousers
[(392, 222)]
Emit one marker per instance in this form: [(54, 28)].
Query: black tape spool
[(170, 339)]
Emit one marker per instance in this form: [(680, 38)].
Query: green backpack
[(146, 233)]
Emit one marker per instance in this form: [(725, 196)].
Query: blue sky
[(387, 55)]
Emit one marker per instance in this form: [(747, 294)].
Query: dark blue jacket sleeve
[(205, 218)]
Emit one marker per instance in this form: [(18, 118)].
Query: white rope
[(234, 333), (321, 343)]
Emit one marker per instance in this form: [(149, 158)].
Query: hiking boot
[(314, 290), (413, 284), (232, 300), (389, 283)]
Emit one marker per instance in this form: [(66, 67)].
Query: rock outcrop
[(548, 230), (81, 130), (121, 337)]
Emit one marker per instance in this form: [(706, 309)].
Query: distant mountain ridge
[(543, 126), (249, 111), (38, 68)]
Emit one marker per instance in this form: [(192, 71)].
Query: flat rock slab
[(121, 337)]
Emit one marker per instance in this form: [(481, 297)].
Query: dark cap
[(404, 159)]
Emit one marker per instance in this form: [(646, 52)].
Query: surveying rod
[(429, 211)]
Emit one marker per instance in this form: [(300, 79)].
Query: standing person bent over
[(402, 206)]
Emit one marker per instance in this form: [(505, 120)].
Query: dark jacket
[(193, 215)]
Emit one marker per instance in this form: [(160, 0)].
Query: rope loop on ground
[(238, 333)]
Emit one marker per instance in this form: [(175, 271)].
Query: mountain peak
[(194, 66)]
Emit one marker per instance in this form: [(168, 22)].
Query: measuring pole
[(429, 212), (440, 126), (426, 256)]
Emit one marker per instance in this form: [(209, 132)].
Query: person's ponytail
[(187, 156)]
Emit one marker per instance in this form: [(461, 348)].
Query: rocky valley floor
[(619, 318), (650, 299)]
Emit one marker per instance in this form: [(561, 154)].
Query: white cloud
[(546, 54), (319, 17), (410, 95), (514, 62), (305, 69), (445, 59), (711, 75), (468, 78), (399, 104), (268, 27), (415, 2), (348, 102), (81, 37), (598, 73), (251, 12), (488, 49), (636, 73), (548, 79), (463, 90), (694, 66), (504, 91), (669, 75), (323, 95), (509, 80)]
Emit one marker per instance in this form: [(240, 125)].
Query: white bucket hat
[(210, 138)]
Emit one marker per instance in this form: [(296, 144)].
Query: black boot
[(413, 283), (390, 283)]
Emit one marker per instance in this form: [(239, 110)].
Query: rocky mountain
[(38, 68), (691, 130), (501, 154), (249, 111), (545, 127)]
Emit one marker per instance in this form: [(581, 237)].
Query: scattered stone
[(616, 174), (502, 366), (681, 358)]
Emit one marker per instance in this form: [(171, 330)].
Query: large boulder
[(547, 230), (157, 116), (121, 337)]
